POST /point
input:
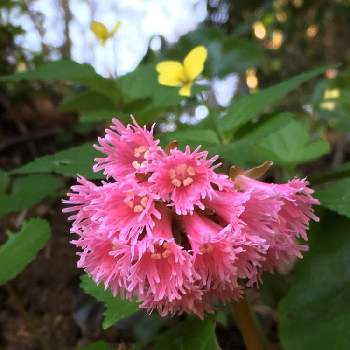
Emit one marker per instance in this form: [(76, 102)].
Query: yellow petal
[(171, 73), (115, 28), (185, 90), (194, 62), (100, 30)]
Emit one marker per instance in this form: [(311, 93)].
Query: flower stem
[(247, 325)]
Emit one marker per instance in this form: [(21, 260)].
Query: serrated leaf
[(22, 247), (69, 162), (241, 152), (192, 137), (248, 107), (116, 309), (71, 71), (291, 144), (99, 345), (315, 313), (27, 191), (336, 196), (189, 335)]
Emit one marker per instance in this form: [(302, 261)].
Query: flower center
[(206, 248), (161, 252), (141, 153), (137, 204), (182, 175)]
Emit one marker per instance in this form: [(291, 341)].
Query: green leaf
[(69, 162), (22, 247), (101, 115), (147, 86), (291, 145), (99, 345), (242, 151), (72, 71), (87, 101), (336, 196), (116, 309), (192, 137), (27, 191), (4, 180), (248, 107), (315, 314), (340, 171), (189, 335), (58, 70)]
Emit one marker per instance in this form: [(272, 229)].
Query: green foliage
[(71, 71), (87, 101), (116, 309), (192, 137), (336, 196), (69, 162), (4, 180), (243, 151), (291, 144), (315, 312), (188, 335), (27, 191), (249, 131), (250, 106), (102, 115), (99, 345), (22, 247)]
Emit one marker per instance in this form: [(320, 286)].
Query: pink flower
[(228, 205), (193, 301), (214, 251), (278, 213), (105, 260), (127, 208), (251, 257), (80, 198), (129, 150), (186, 178), (164, 270), (171, 232)]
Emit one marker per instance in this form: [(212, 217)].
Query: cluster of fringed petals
[(167, 229)]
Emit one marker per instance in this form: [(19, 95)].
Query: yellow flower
[(101, 31), (173, 73), (328, 106), (331, 93)]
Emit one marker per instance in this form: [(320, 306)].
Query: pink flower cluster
[(168, 230)]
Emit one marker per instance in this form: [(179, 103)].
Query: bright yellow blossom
[(101, 31), (173, 73), (331, 94)]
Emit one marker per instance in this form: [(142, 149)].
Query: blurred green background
[(276, 86)]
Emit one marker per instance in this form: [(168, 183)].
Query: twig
[(26, 137), (248, 327)]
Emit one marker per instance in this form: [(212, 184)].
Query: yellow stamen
[(187, 181), (138, 208), (176, 182), (144, 201)]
